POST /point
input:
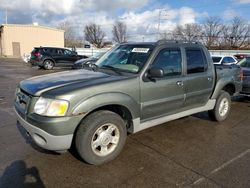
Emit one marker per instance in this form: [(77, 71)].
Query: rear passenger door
[(199, 81), (164, 96)]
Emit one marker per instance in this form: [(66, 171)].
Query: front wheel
[(100, 137), (222, 107)]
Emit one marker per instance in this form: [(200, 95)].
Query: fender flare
[(115, 98), (220, 85)]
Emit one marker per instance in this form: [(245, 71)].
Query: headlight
[(51, 107), (17, 90)]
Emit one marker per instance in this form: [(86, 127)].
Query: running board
[(138, 126)]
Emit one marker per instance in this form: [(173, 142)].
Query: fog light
[(39, 139)]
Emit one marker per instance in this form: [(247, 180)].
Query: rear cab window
[(196, 61)]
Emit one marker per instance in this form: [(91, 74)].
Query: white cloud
[(242, 1), (140, 22), (187, 15), (140, 25), (147, 22), (71, 6), (116, 4), (229, 14)]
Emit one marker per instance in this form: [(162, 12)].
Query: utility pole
[(6, 16), (159, 22)]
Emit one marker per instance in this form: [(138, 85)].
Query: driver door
[(164, 96)]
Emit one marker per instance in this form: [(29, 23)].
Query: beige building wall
[(28, 37)]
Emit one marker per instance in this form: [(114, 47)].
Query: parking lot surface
[(189, 152)]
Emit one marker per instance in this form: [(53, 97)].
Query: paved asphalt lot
[(189, 152)]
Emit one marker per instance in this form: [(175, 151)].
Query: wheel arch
[(225, 85), (123, 105), (48, 58)]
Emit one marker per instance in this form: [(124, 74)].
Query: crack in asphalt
[(180, 164)]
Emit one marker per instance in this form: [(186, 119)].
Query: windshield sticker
[(140, 50)]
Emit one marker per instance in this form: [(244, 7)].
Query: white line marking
[(223, 165), (199, 181), (230, 161)]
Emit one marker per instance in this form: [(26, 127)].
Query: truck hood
[(39, 84)]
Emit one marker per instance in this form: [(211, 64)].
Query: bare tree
[(94, 34), (70, 36), (166, 35), (119, 32), (212, 30), (188, 32), (236, 34)]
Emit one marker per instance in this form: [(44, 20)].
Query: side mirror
[(155, 72)]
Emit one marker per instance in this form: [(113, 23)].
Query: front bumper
[(44, 139)]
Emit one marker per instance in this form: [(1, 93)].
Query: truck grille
[(22, 100)]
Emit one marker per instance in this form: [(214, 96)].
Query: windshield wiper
[(111, 68)]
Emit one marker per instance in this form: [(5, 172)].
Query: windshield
[(126, 57), (244, 62), (98, 55), (216, 59)]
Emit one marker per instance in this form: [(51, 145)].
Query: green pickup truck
[(132, 87)]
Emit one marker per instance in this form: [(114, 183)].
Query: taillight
[(37, 54), (241, 74)]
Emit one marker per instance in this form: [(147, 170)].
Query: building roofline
[(31, 25)]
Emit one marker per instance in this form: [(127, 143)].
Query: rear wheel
[(48, 64), (222, 107), (100, 137)]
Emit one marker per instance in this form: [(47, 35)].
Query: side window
[(51, 51), (45, 50), (224, 60), (196, 62), (169, 60), (67, 52), (59, 51), (230, 60)]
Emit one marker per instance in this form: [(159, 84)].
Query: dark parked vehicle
[(245, 65), (48, 57), (81, 63), (241, 56), (132, 87)]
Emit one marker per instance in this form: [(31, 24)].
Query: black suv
[(48, 57)]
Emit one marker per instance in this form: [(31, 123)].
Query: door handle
[(209, 78), (179, 83)]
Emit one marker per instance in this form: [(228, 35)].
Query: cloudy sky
[(141, 16)]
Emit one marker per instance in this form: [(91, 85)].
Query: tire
[(100, 137), (222, 107), (48, 64)]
